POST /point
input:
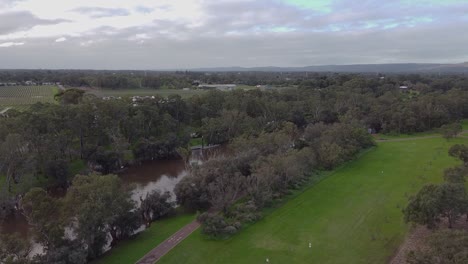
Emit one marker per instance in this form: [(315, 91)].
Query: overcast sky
[(183, 34)]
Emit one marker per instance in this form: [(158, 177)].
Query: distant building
[(404, 87), (221, 87)]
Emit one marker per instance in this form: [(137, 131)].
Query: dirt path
[(158, 252)]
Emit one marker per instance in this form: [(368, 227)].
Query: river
[(160, 175)]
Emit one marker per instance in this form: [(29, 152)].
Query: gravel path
[(158, 252)]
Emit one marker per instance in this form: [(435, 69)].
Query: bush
[(215, 225)]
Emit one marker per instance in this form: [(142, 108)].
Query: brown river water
[(160, 175)]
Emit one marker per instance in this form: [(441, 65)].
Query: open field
[(20, 97), (352, 216), (132, 250), (144, 92)]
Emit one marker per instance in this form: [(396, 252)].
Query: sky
[(186, 34)]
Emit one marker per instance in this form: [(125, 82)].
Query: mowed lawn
[(132, 250), (352, 216)]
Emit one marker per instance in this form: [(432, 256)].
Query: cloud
[(144, 9), (10, 44), (143, 34), (23, 20), (8, 3), (99, 12)]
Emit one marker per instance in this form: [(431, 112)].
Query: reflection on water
[(162, 175), (15, 223)]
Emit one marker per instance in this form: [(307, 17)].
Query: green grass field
[(144, 92), (352, 216), (21, 97), (132, 250)]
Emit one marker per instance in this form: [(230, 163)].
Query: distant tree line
[(125, 79)]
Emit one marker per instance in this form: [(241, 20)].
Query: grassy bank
[(352, 216), (132, 250)]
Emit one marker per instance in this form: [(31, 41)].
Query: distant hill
[(355, 68)]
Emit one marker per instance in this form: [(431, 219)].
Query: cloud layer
[(145, 34)]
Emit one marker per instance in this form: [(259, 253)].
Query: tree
[(329, 154), (14, 249), (44, 213), (100, 205), (451, 130), (460, 152), (70, 96), (14, 159), (191, 193), (433, 202), (453, 201), (155, 205), (58, 170), (456, 174), (225, 190), (444, 247), (70, 252)]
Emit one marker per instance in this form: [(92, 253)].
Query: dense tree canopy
[(278, 138)]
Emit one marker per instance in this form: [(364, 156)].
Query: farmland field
[(21, 97), (144, 92), (352, 216)]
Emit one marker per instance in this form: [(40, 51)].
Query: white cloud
[(10, 44), (196, 33)]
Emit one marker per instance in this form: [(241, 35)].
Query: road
[(158, 252)]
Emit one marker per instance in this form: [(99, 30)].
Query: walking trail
[(162, 249)]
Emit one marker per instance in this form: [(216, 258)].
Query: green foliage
[(155, 206), (451, 130), (70, 96), (433, 202), (14, 249), (46, 216), (356, 203), (215, 225), (444, 247), (460, 152), (100, 205)]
